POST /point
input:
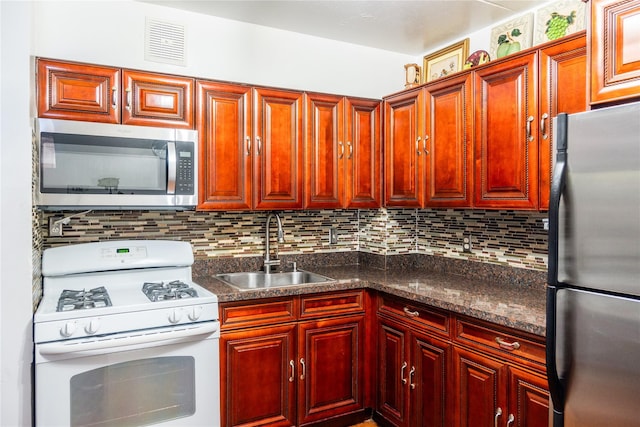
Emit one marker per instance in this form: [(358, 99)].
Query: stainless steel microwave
[(86, 165)]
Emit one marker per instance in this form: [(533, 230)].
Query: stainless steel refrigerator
[(593, 293)]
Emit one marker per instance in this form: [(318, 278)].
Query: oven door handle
[(137, 339)]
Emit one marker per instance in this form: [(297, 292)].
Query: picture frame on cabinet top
[(445, 61), (564, 16), (411, 75), (512, 36)]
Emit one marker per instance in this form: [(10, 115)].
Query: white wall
[(15, 215), (112, 33)]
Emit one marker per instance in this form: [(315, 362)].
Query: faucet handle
[(294, 265)]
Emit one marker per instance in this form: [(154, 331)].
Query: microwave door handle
[(171, 168)]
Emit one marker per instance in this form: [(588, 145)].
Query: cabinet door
[(362, 154), (404, 167), (563, 89), (614, 50), (393, 371), (428, 379), (157, 100), (528, 399), (325, 151), (224, 132), (331, 376), (480, 390), (258, 377), (448, 143), (506, 137), (278, 161), (78, 92)]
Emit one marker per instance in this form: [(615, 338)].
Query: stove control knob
[(195, 313), (68, 329), (92, 327), (175, 316)]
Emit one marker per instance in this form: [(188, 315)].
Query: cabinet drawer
[(245, 314), (498, 340), (433, 319), (323, 305)]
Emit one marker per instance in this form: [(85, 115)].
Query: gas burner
[(160, 291), (78, 300)]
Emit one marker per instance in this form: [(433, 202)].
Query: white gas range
[(123, 335)]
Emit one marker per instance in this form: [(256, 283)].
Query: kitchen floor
[(368, 423)]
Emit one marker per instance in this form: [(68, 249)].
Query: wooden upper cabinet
[(506, 134), (404, 129), (278, 160), (563, 89), (224, 132), (73, 91), (325, 151), (447, 145), (151, 99), (78, 92), (614, 50), (363, 154), (342, 152)]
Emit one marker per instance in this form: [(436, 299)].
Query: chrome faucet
[(268, 262)]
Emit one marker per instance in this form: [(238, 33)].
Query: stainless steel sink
[(261, 280)]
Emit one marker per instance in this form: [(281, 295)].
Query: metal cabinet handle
[(350, 150), (424, 145), (304, 369), (259, 143), (402, 378), (411, 373), (341, 155), (507, 345), (418, 145), (543, 127), (293, 371), (248, 139), (128, 104), (114, 98), (510, 420), (411, 313), (529, 136), (495, 420)]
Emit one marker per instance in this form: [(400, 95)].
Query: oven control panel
[(124, 252)]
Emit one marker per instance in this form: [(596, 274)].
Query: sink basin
[(261, 280)]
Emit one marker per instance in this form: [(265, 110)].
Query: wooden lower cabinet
[(491, 392), (331, 377), (258, 387), (412, 376), (280, 369), (435, 368)]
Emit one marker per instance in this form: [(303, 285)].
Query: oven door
[(164, 383)]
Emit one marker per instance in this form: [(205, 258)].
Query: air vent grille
[(165, 42)]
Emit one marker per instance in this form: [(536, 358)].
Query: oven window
[(139, 392)]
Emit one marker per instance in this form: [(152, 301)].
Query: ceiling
[(409, 27)]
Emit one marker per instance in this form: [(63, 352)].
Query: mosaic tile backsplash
[(508, 238)]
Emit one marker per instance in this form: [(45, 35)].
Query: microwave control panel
[(186, 171)]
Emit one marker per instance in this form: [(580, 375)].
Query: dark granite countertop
[(521, 307)]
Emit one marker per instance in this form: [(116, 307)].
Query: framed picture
[(445, 61), (559, 19), (512, 36)]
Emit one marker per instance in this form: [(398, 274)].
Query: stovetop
[(105, 294)]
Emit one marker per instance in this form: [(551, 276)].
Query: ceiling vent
[(164, 42)]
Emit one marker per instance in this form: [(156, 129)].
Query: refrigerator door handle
[(556, 387)]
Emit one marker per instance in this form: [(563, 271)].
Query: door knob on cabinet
[(495, 420)]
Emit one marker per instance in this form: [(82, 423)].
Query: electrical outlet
[(466, 243), (333, 236), (55, 227)]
